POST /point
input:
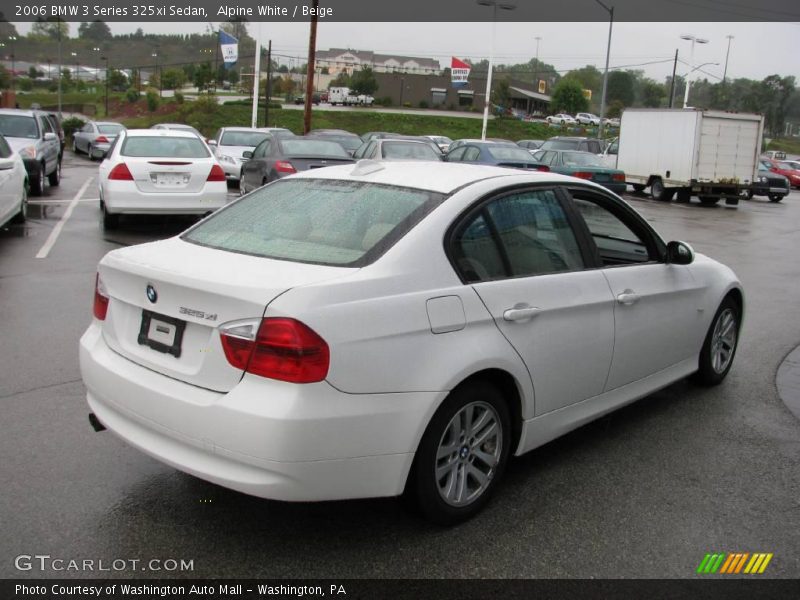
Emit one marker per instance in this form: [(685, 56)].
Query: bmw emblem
[(152, 295)]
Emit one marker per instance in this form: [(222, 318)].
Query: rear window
[(164, 147), (336, 223), (509, 153), (243, 138), (110, 128), (305, 147), (401, 150), (19, 126), (350, 143), (580, 159), (560, 145)]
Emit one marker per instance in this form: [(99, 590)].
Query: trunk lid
[(196, 289), (169, 175)]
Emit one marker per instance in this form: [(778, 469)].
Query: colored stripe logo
[(734, 563)]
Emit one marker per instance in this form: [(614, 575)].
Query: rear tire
[(747, 194), (110, 221), (23, 206), (657, 190), (719, 347), (462, 454), (37, 181), (55, 177)]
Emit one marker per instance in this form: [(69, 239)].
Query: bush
[(71, 125), (132, 95), (152, 99), (383, 101), (179, 97), (423, 104), (24, 84), (407, 104)]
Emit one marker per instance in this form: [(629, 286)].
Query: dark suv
[(583, 144)]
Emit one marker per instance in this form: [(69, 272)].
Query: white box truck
[(689, 152), (338, 95)]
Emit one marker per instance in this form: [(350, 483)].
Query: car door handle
[(521, 312), (628, 297)]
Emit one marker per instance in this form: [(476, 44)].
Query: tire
[(55, 177), (110, 221), (23, 206), (684, 195), (709, 200), (638, 187), (719, 350), (90, 153), (75, 148), (469, 471), (747, 194), (776, 197), (37, 182), (657, 189)]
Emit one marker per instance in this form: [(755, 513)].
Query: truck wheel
[(775, 197), (747, 194), (709, 200), (657, 190), (638, 187), (684, 195)]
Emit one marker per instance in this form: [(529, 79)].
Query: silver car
[(32, 135), (230, 143), (95, 138)]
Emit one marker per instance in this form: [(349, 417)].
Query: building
[(339, 60)]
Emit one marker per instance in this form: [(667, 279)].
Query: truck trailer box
[(708, 153)]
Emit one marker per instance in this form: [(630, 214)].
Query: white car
[(442, 141), (230, 143), (561, 119), (13, 185), (149, 171), (380, 328), (587, 119)]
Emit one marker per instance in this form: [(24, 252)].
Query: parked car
[(561, 119), (230, 143), (275, 158), (442, 141), (583, 144), (489, 153), (349, 141), (583, 165), (587, 119), (782, 167), (461, 142), (55, 121), (530, 145), (399, 149), (13, 185), (178, 127), (149, 171), (768, 183), (31, 134), (376, 330), (95, 138), (775, 154)]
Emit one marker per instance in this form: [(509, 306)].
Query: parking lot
[(645, 492)]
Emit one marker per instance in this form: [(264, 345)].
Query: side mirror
[(212, 142), (248, 154), (50, 137), (680, 253), (6, 164)]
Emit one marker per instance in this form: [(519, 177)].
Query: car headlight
[(762, 180), (28, 152)]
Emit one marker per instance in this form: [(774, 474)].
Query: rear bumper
[(266, 438), (122, 197)]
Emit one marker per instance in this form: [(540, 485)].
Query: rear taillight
[(283, 166), (618, 177), (101, 139), (583, 175), (277, 348), (100, 307), (542, 168), (120, 173), (216, 174)]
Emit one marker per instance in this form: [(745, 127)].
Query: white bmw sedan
[(159, 171), (13, 185), (387, 328)]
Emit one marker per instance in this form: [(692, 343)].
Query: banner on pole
[(229, 46), (459, 72)]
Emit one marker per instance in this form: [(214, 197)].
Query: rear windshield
[(306, 147), (18, 126), (110, 128), (580, 159), (318, 221), (164, 147), (243, 138), (410, 151), (509, 153), (349, 142), (560, 145)]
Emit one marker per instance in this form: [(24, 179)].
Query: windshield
[(306, 147), (18, 126), (509, 153), (250, 139), (410, 151), (110, 128), (580, 159), (336, 223), (164, 147)]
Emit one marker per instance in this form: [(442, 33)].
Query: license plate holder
[(161, 333), (170, 179)]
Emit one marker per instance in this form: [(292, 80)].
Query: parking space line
[(51, 239)]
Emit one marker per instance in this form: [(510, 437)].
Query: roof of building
[(367, 56)]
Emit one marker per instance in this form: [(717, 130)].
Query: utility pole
[(672, 86), (216, 64), (312, 52), (727, 54), (605, 75), (269, 84), (60, 68)]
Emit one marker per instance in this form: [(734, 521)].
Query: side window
[(471, 153), (5, 149), (550, 158), (369, 151), (619, 241), (518, 235), (45, 125), (88, 128), (593, 146), (261, 149), (457, 154)]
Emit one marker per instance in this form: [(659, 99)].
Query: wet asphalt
[(643, 493)]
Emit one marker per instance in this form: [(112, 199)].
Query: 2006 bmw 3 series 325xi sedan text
[(387, 328)]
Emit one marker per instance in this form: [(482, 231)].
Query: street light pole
[(12, 39), (538, 39), (495, 5), (105, 58), (693, 39), (727, 54), (96, 63), (605, 75)]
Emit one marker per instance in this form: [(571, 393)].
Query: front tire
[(462, 454), (37, 181), (775, 197), (719, 347)]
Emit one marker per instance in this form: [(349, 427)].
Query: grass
[(788, 145)]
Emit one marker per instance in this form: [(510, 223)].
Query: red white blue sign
[(459, 72)]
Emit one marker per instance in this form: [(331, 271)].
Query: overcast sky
[(757, 49)]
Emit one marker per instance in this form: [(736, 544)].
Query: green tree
[(173, 79), (95, 31), (364, 82), (589, 77), (652, 93), (7, 29), (776, 93), (117, 80), (51, 28), (620, 87), (33, 73), (501, 94), (568, 97), (341, 80), (203, 76)]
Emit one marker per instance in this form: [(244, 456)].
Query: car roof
[(181, 133), (108, 123), (259, 129), (20, 111), (432, 176)]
